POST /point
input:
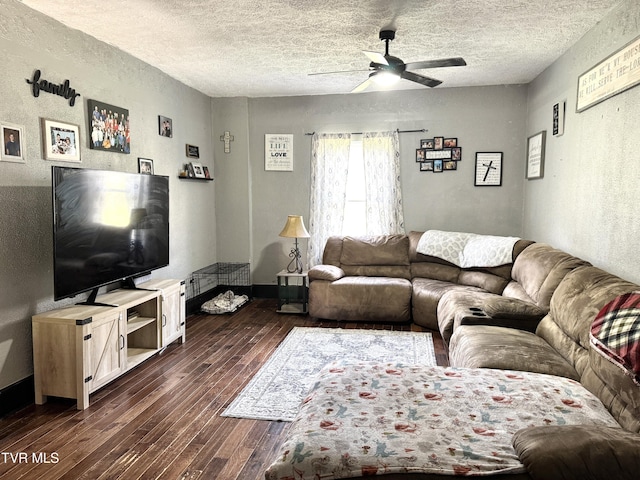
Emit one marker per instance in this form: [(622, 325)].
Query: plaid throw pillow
[(615, 332)]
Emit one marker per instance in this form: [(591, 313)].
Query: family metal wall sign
[(42, 85)]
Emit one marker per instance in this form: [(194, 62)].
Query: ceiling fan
[(387, 69)]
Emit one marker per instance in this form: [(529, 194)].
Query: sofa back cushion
[(371, 256), (491, 279), (538, 271), (574, 306)]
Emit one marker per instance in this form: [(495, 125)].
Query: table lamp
[(294, 228)]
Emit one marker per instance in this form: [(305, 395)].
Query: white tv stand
[(81, 348)]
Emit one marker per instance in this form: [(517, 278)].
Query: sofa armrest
[(504, 312), (512, 308), (329, 273), (578, 451)]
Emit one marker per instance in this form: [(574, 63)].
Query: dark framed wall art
[(109, 127)]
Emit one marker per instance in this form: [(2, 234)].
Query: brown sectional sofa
[(384, 278), (567, 292)]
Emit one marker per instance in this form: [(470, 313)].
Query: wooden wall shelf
[(196, 178)]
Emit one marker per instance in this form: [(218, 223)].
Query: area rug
[(276, 391)]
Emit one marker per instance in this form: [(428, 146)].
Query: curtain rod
[(397, 130)]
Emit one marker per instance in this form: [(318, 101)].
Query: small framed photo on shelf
[(426, 143), (193, 151), (145, 165), (60, 141), (205, 169), (12, 142), (535, 155), (450, 142), (198, 171), (165, 126)]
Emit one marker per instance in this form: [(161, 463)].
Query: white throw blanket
[(467, 249)]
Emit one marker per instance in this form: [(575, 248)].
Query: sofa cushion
[(486, 346), (329, 273), (353, 298), (578, 299), (539, 269), (425, 297), (375, 250), (598, 453), (616, 333)]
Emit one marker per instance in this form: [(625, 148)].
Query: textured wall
[(588, 202), (30, 41), (483, 119)]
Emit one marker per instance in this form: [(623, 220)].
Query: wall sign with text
[(278, 152), (613, 75)]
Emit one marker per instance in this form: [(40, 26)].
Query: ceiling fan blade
[(363, 86), (442, 62), (376, 57), (340, 71), (421, 79)]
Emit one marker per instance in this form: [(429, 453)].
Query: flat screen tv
[(107, 227)]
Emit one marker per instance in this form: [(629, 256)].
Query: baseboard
[(17, 396)]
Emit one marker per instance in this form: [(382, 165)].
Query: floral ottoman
[(363, 419)]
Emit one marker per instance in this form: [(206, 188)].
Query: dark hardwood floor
[(161, 420)]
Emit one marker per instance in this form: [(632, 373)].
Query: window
[(355, 208)]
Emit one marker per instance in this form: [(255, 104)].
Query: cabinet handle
[(122, 338), (164, 320)]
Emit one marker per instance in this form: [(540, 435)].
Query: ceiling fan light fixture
[(385, 78)]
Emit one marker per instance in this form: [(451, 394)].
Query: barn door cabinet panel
[(81, 348)]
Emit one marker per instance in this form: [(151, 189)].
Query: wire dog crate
[(219, 274)]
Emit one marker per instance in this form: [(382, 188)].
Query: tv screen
[(107, 227)]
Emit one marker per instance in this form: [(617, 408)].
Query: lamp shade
[(294, 228)]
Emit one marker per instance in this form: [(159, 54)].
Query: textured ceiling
[(267, 48)]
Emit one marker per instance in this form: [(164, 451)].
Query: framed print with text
[(535, 155), (488, 171)]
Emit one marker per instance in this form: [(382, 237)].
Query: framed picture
[(450, 165), (145, 165), (613, 75), (193, 151), (438, 143), (535, 155), (438, 166), (488, 169), (12, 142), (198, 171), (165, 126), (109, 127), (205, 169), (450, 142), (278, 152), (426, 166), (426, 143), (60, 141), (456, 154), (420, 154)]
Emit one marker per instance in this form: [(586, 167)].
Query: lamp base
[(295, 265)]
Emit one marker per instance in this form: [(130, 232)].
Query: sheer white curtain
[(329, 171), (329, 168), (382, 183)]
